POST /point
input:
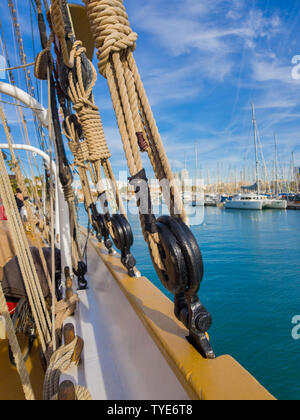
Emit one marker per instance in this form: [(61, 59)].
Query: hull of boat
[(293, 205), (244, 205), (275, 204)]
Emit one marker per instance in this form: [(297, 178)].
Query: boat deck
[(135, 348), (140, 348)]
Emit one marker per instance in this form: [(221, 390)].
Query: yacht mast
[(256, 150), (295, 172), (196, 170), (276, 166)]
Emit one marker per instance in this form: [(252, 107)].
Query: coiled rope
[(60, 361)]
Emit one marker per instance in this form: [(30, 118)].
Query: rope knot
[(111, 29)]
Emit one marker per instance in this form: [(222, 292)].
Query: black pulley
[(175, 276), (118, 232), (99, 224), (80, 274), (190, 250), (182, 276), (123, 240)]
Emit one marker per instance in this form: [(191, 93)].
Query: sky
[(203, 64)]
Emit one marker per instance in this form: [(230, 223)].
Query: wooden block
[(66, 391), (69, 333)]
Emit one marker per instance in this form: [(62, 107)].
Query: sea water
[(251, 287)]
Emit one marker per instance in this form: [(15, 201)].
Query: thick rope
[(84, 105), (58, 27), (25, 260), (64, 309), (116, 42), (94, 148), (60, 362)]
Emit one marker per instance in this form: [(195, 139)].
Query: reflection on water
[(251, 287)]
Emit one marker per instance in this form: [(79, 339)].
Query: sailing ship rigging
[(89, 302)]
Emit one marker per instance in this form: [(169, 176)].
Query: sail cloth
[(254, 187), (12, 283)]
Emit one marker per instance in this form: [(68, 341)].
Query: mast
[(196, 157), (276, 166), (196, 171), (295, 172), (256, 151)]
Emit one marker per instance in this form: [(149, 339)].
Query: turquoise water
[(251, 287)]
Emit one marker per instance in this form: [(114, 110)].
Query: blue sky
[(203, 64)]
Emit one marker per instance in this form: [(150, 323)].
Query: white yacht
[(274, 203), (255, 202), (245, 202)]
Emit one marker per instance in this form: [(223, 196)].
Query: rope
[(58, 27), (86, 110), (116, 42), (94, 148), (60, 362), (64, 309), (18, 67), (24, 189), (25, 260)]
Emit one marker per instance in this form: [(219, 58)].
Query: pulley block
[(100, 227), (123, 240), (182, 275), (189, 249), (80, 274), (175, 276)]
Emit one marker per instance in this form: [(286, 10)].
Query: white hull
[(275, 204), (244, 205)]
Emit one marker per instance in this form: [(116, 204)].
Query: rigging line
[(21, 105), (18, 67), (28, 79), (33, 49), (20, 115), (10, 76), (46, 5), (15, 49), (34, 8)]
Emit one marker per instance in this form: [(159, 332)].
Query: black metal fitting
[(182, 277), (80, 274), (100, 227), (123, 240)]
